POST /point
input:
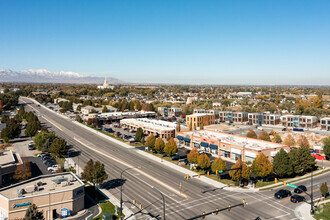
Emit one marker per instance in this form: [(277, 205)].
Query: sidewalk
[(302, 212)]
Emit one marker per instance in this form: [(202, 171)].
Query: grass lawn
[(325, 214), (107, 207)]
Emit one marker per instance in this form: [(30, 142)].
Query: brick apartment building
[(169, 111), (299, 121), (325, 123), (230, 116), (207, 111), (196, 120), (264, 119)]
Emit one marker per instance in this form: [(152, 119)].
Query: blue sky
[(178, 41)]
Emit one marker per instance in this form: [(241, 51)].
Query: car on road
[(297, 198), (300, 189), (30, 146), (282, 194)]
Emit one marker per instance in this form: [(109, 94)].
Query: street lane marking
[(137, 170), (303, 194)]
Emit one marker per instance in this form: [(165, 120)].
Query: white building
[(106, 85)]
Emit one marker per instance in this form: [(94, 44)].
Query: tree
[(326, 146), (193, 156), (150, 142), (171, 148), (58, 147), (289, 140), (324, 189), (218, 164), (303, 142), (178, 126), (104, 110), (282, 164), (139, 134), (94, 172), (302, 160), (143, 140), (251, 134), (159, 145), (190, 127), (32, 128), (237, 173), (277, 139), (261, 166), (23, 171), (43, 137), (202, 125), (10, 132), (263, 135), (32, 213), (203, 161)]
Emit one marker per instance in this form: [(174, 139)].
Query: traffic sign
[(291, 185), (220, 171)]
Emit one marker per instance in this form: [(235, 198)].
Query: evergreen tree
[(43, 137), (171, 148), (104, 110), (139, 134), (178, 126), (218, 164), (326, 146), (32, 213), (289, 140), (282, 164), (302, 160), (251, 134), (193, 156), (159, 145), (264, 136), (58, 147), (32, 128), (324, 189), (203, 161), (150, 142), (261, 166)]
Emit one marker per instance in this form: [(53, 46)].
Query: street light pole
[(121, 190), (163, 200), (312, 203)]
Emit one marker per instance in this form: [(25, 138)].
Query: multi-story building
[(169, 111), (57, 195), (8, 163), (325, 123), (230, 116), (196, 120), (207, 111), (271, 119), (299, 121), (159, 128), (229, 146), (256, 118)]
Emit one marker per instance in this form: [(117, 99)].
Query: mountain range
[(46, 76)]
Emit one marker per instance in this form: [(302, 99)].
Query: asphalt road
[(195, 197)]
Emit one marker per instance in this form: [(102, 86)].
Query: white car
[(54, 167)]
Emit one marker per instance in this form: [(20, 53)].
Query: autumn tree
[(150, 142), (178, 126), (94, 172), (289, 140), (171, 148), (261, 166), (251, 134), (23, 171), (218, 164), (32, 213), (282, 164), (277, 139), (303, 142), (326, 146), (190, 127), (324, 189), (159, 145), (202, 125), (263, 135), (203, 161), (193, 156), (237, 173)]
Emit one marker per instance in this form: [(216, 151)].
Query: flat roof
[(47, 184), (6, 157), (152, 124), (245, 142), (200, 114)]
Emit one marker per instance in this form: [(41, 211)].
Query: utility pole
[(312, 203), (163, 200)]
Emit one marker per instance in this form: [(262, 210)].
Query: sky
[(171, 41)]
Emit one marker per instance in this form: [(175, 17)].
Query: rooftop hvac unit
[(64, 183), (72, 179), (58, 180), (39, 183), (20, 192)]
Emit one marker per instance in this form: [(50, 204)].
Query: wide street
[(142, 184)]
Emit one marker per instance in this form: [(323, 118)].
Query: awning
[(179, 137), (235, 151), (250, 154), (186, 139), (204, 144), (213, 146)]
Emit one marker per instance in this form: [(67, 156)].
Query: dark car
[(176, 157), (300, 189), (297, 198), (282, 194), (30, 146)]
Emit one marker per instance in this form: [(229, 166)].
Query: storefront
[(249, 156), (235, 154), (186, 141), (180, 138), (205, 147), (225, 153), (196, 145), (214, 149)]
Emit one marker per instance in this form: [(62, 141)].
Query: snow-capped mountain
[(46, 76)]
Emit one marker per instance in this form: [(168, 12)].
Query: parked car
[(41, 155), (297, 198), (300, 189), (176, 157), (282, 194), (30, 146)]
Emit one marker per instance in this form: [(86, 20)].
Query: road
[(195, 197)]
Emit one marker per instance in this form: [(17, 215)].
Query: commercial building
[(57, 195), (230, 116), (264, 118), (58, 100), (196, 120), (159, 128), (116, 116), (169, 111), (299, 121), (256, 118), (325, 123), (229, 146), (8, 163), (207, 111)]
